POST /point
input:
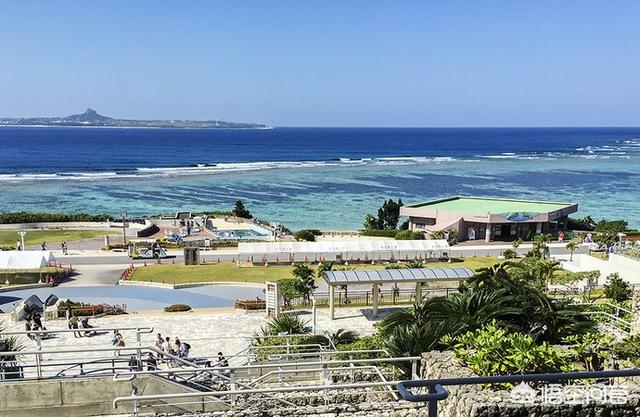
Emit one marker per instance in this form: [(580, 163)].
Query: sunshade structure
[(25, 260), (375, 277), (345, 250)]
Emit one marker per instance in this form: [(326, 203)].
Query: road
[(115, 258)]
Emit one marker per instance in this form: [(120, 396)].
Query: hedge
[(29, 217), (177, 307)]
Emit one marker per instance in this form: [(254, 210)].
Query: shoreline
[(143, 127)]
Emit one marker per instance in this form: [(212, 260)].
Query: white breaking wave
[(205, 169)]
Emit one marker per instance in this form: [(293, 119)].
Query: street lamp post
[(22, 233), (123, 213)]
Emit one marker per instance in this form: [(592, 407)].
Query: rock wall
[(635, 312), (476, 401), (370, 409)]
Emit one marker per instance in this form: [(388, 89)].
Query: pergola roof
[(397, 275)]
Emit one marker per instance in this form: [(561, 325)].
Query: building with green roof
[(489, 218)]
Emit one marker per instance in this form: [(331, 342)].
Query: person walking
[(166, 345), (159, 343), (73, 324), (118, 341), (44, 246)]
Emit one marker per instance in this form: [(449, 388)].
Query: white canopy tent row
[(26, 260), (347, 250)]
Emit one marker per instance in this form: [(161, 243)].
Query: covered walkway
[(375, 277)]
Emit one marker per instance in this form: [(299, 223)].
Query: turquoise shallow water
[(320, 178)]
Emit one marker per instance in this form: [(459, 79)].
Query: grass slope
[(36, 237), (228, 271)]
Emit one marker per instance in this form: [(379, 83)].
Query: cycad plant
[(342, 337), (9, 363), (285, 324)]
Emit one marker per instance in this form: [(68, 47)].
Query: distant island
[(91, 118)]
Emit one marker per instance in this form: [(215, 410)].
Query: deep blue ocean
[(314, 177)]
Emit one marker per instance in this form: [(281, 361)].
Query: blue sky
[(330, 63)]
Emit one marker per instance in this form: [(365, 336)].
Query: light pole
[(123, 213), (22, 233)]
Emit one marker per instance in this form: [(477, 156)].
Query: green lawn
[(36, 237), (228, 271)]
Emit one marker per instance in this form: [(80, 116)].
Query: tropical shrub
[(307, 235), (591, 349), (585, 223), (491, 350), (379, 233), (342, 337), (176, 308), (617, 288), (514, 306), (290, 288), (409, 235), (629, 349), (368, 342), (387, 217), (509, 254), (450, 234), (9, 363), (611, 226)]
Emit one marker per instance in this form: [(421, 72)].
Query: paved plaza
[(207, 331)]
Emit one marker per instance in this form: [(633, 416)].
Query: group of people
[(181, 349), (33, 321), (74, 322), (177, 348)]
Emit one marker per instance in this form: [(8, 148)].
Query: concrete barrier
[(80, 397)]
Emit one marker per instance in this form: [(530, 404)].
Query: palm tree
[(494, 274), (416, 263), (540, 243), (572, 246), (307, 282), (322, 268)]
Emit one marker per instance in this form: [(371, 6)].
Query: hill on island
[(92, 118)]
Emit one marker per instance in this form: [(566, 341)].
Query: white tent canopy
[(346, 250), (22, 260)]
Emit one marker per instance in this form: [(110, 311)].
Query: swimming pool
[(139, 298), (252, 233)]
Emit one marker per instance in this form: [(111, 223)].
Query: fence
[(60, 363), (390, 296)]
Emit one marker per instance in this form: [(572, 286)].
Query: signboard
[(272, 298)]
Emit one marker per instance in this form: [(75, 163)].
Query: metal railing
[(436, 390), (42, 363), (238, 388), (613, 320)]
